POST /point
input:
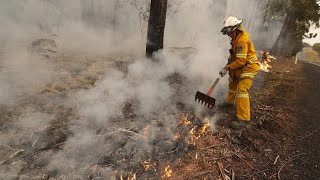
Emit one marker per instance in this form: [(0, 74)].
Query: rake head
[(207, 100)]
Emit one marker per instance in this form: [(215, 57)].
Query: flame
[(193, 136), (167, 172), (134, 177), (266, 59), (192, 131), (204, 128), (197, 133), (176, 137), (148, 165), (184, 120)]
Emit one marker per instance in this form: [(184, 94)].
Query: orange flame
[(148, 165), (196, 134), (167, 172), (193, 136), (184, 120), (134, 177), (266, 59), (176, 137), (204, 128)]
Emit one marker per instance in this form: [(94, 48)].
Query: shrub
[(316, 47)]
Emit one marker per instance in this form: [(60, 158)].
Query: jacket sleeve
[(241, 56)]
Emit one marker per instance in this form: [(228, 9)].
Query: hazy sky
[(313, 40)]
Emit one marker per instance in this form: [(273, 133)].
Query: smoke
[(22, 137), (25, 127), (131, 107), (146, 87)]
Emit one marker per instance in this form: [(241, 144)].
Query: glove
[(223, 71)]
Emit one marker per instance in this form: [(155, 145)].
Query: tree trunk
[(281, 45), (266, 13), (157, 21)]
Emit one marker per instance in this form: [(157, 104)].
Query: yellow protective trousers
[(239, 95)]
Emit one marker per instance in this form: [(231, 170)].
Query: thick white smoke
[(90, 35)]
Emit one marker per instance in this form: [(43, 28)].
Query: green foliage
[(316, 47), (299, 16)]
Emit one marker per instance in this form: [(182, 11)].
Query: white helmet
[(230, 24)]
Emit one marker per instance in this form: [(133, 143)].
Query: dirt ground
[(281, 142)]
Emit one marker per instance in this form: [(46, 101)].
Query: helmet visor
[(227, 30)]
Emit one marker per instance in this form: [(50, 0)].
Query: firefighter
[(242, 66)]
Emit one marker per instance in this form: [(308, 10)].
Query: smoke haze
[(95, 86)]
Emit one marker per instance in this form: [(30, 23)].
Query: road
[(308, 130)]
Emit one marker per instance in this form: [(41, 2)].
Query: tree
[(299, 16), (156, 26), (316, 47), (143, 8)]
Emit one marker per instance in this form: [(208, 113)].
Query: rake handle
[(213, 86)]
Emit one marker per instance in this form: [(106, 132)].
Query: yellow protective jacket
[(244, 62)]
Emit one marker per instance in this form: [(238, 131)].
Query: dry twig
[(291, 159), (308, 135), (262, 171), (233, 175), (209, 147), (220, 165), (244, 161), (276, 160)]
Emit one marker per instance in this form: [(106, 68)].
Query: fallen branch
[(291, 159)]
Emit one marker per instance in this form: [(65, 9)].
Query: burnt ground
[(281, 143), (283, 139)]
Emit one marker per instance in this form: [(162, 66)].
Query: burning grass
[(188, 131), (128, 147)]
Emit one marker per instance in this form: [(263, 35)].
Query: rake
[(206, 98)]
